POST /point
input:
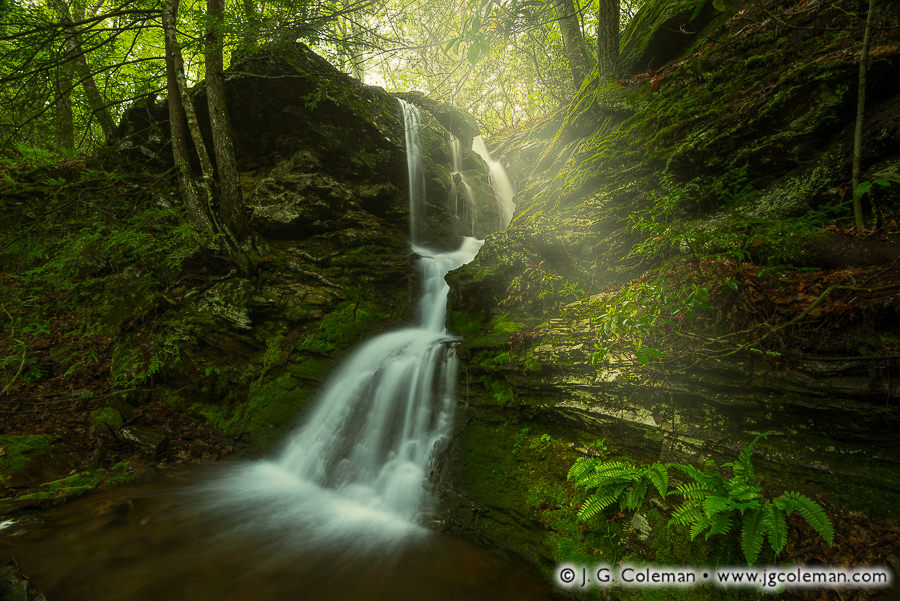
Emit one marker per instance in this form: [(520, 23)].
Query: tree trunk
[(65, 124), (196, 208), (231, 204), (608, 38), (83, 71), (205, 195), (860, 118), (573, 40)]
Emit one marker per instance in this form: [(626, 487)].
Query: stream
[(335, 513)]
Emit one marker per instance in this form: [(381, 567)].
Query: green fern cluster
[(711, 503), (615, 482)]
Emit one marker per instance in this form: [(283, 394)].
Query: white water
[(503, 189), (353, 474), (462, 198), (415, 169)]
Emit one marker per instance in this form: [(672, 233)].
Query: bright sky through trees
[(69, 68)]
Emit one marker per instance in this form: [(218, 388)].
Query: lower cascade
[(353, 474)]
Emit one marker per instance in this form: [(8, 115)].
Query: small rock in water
[(15, 585)]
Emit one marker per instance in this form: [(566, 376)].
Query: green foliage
[(609, 482), (621, 325), (536, 285), (711, 504), (715, 505)]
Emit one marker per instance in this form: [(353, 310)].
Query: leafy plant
[(712, 504), (609, 482), (715, 505)]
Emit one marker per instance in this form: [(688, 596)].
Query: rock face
[(728, 140), (319, 151), (323, 168)]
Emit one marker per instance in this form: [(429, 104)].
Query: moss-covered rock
[(660, 32), (65, 489), (713, 164), (19, 451), (106, 419)]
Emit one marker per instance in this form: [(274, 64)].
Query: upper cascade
[(503, 189), (415, 168)]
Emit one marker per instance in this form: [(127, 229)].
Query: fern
[(752, 534), (608, 482), (711, 502), (776, 527), (810, 511), (659, 477), (721, 524), (598, 502), (713, 505)]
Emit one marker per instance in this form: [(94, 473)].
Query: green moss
[(66, 489), (347, 324), (106, 419), (19, 451), (648, 21)]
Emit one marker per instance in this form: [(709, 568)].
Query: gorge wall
[(659, 287)]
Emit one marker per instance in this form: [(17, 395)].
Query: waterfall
[(414, 167), (353, 474), (499, 180), (461, 203)]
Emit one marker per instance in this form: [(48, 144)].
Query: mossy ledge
[(556, 311)]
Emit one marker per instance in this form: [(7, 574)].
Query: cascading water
[(503, 188), (354, 473), (415, 169), (462, 197)]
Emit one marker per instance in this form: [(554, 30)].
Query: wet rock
[(148, 441), (15, 586)]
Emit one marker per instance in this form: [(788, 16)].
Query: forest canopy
[(70, 68)]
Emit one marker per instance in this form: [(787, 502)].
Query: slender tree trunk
[(231, 203), (608, 38), (860, 118), (193, 126), (573, 40), (83, 71), (65, 124), (196, 208)]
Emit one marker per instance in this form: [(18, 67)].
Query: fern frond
[(752, 535), (659, 477), (693, 491), (721, 524), (599, 501), (811, 511), (690, 471), (745, 492), (699, 526), (581, 467), (687, 513), (635, 497), (710, 469), (775, 526), (714, 504)]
